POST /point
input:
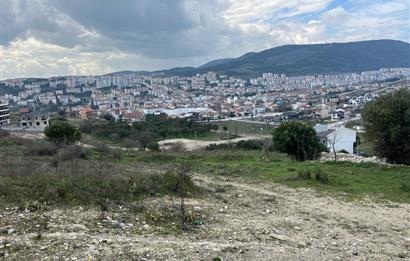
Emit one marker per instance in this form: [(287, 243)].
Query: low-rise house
[(34, 121), (133, 116), (337, 114), (87, 113), (337, 139)]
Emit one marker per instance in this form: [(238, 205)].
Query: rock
[(301, 244), (6, 229), (297, 228), (197, 209), (117, 224), (146, 226), (278, 237)]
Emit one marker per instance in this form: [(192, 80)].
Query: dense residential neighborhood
[(271, 98)]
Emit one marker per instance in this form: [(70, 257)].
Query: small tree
[(387, 124), (332, 140), (62, 132), (267, 146), (184, 177), (298, 140)]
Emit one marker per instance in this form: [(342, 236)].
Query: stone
[(5, 230), (301, 244)]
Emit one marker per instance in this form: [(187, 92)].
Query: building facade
[(34, 121), (337, 139), (4, 115)]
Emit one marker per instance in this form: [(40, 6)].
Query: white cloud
[(57, 37)]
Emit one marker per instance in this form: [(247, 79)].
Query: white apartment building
[(4, 115)]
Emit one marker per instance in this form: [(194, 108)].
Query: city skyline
[(42, 38)]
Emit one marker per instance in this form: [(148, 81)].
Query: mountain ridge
[(310, 59)]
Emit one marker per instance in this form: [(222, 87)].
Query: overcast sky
[(79, 37)]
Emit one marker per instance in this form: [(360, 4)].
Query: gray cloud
[(84, 36), (155, 28)]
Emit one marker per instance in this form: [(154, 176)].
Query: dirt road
[(244, 221), (192, 145)]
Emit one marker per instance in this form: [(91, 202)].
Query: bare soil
[(192, 145), (243, 220)]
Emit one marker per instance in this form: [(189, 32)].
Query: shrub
[(62, 132), (88, 188), (343, 151), (41, 149), (132, 144), (387, 124), (405, 187), (102, 148), (70, 152), (304, 174), (116, 154), (298, 140), (321, 176), (222, 146), (249, 144), (153, 146), (86, 127)]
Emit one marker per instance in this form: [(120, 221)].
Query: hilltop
[(312, 59)]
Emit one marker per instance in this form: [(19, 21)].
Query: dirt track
[(192, 145), (244, 221)]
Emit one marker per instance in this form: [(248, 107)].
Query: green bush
[(321, 176), (153, 129), (62, 132), (298, 140), (405, 187), (222, 146), (304, 174), (153, 146), (387, 124), (249, 144)]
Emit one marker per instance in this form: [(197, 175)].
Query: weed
[(304, 174), (321, 176)]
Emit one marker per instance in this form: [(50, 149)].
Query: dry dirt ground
[(192, 145), (242, 221)]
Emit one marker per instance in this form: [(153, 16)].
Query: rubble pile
[(352, 157)]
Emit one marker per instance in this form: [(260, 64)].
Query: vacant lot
[(240, 206)]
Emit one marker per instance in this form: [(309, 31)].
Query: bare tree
[(267, 146), (332, 140), (184, 176), (132, 144), (101, 163)]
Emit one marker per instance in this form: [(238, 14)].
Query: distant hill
[(122, 73), (311, 59)]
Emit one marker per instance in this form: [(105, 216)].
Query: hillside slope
[(313, 58)]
